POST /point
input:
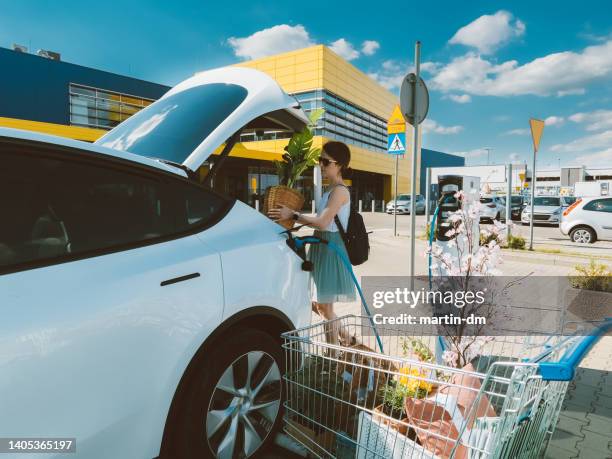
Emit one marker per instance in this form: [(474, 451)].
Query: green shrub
[(516, 242), (594, 276), (487, 237)]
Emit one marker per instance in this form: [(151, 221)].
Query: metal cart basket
[(350, 401)]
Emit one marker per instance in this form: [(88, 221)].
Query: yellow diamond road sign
[(396, 122)]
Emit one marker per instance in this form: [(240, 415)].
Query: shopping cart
[(351, 401)]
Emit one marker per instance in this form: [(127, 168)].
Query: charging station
[(448, 186)]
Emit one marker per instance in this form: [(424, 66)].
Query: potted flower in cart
[(298, 157)]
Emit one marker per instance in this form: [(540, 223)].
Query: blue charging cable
[(300, 242)]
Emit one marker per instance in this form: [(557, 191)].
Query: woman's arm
[(320, 221)]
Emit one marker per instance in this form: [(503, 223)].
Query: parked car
[(588, 220), (547, 210), (516, 206), (403, 204), (492, 208), (141, 310)]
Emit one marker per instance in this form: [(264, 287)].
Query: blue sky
[(490, 65)]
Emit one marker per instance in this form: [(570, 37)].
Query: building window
[(341, 121), (101, 109)]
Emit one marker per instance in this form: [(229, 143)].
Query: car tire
[(583, 235), (232, 400), (498, 216)]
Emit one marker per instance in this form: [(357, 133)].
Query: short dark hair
[(339, 152)]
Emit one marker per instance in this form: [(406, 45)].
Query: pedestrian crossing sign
[(396, 143)]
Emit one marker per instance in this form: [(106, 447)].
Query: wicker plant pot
[(283, 195)]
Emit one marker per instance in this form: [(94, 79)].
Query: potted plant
[(410, 383), (298, 157)]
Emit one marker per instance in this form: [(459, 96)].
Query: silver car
[(403, 204), (547, 210)]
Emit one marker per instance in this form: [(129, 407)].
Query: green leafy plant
[(486, 237), (418, 347), (393, 396), (594, 276), (299, 154), (516, 242)]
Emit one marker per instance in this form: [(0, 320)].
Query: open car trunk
[(210, 109)]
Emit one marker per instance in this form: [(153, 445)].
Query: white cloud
[(515, 158), (586, 143), (571, 92), (431, 126), (274, 40), (369, 47), (471, 153), (460, 98), (554, 121), (488, 32), (555, 73), (525, 131), (344, 49), (392, 73), (594, 121), (603, 158)]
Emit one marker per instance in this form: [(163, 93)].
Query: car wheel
[(231, 407), (583, 235), (497, 216)]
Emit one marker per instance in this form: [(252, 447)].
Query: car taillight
[(572, 207), (492, 206)]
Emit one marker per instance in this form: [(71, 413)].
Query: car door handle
[(174, 280)]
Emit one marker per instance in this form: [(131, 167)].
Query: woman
[(331, 277)]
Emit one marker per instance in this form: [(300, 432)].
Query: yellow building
[(356, 110)]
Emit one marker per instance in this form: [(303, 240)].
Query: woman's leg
[(326, 310)]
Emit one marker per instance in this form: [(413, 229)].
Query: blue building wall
[(35, 88), (431, 158)]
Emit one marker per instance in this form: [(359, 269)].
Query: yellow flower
[(414, 379)]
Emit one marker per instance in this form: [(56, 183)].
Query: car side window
[(196, 205), (599, 205), (57, 204)]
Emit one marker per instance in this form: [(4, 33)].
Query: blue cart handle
[(564, 369)]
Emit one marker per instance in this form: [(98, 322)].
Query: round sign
[(407, 92)]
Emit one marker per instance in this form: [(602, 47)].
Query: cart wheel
[(232, 406)]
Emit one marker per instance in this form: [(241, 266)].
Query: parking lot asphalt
[(584, 429)]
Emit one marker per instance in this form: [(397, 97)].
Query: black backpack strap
[(337, 220)]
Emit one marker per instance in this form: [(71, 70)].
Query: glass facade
[(101, 109), (341, 121)]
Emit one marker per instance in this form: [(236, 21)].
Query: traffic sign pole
[(396, 145), (537, 127), (395, 199), (415, 155), (533, 182)]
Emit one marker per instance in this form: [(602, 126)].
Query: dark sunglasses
[(326, 162)]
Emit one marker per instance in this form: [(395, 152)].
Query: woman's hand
[(281, 213)]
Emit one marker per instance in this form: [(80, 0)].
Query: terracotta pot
[(401, 425), (283, 195)]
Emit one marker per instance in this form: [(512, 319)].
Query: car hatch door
[(193, 119)]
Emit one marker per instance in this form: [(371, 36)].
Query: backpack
[(355, 238)]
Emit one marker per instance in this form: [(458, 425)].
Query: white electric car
[(140, 310)]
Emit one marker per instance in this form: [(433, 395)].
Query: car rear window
[(547, 201), (174, 126)]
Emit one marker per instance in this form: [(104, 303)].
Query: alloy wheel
[(244, 406), (582, 236)]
